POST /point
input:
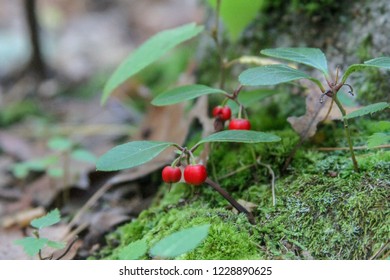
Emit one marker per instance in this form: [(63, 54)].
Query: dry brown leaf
[(250, 206), (306, 125), (16, 146), (8, 250), (22, 218)]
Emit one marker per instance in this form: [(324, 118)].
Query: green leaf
[(180, 242), (370, 109), (346, 99), (378, 139), (183, 93), (20, 170), (134, 250), (149, 52), (251, 98), (270, 75), (383, 126), (309, 56), (42, 163), (55, 172), (130, 155), (236, 15), (379, 62), (56, 245), (49, 219), (240, 136), (32, 245), (60, 144), (83, 155)]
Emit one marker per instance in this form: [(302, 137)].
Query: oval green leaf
[(370, 109), (240, 136), (270, 75), (180, 242), (149, 52), (236, 15), (83, 155), (251, 98), (130, 155), (134, 250), (49, 219), (379, 62), (183, 93), (60, 144), (309, 56)]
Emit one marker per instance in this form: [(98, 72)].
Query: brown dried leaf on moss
[(306, 125)]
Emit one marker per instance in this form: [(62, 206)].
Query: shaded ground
[(82, 42)]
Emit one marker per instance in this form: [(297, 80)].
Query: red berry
[(195, 174), (239, 124), (224, 113), (171, 174), (217, 111)]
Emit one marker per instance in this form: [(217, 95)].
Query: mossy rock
[(324, 209)]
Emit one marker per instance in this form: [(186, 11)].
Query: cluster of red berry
[(224, 113), (194, 174)]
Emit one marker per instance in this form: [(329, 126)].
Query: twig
[(326, 149), (380, 251), (75, 232), (37, 65), (231, 200), (272, 180), (236, 171), (68, 248)]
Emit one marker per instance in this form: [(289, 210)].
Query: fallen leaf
[(250, 206), (8, 250), (16, 146), (22, 218), (306, 125)]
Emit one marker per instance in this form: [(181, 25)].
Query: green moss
[(324, 209), (229, 236)]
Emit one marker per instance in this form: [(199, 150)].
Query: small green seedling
[(281, 73), (33, 245), (56, 164), (171, 246)]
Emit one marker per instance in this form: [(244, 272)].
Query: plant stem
[(326, 149), (231, 200), (66, 177), (272, 180), (347, 132), (215, 34)]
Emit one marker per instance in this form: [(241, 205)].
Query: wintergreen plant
[(33, 245), (56, 164), (280, 73)]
